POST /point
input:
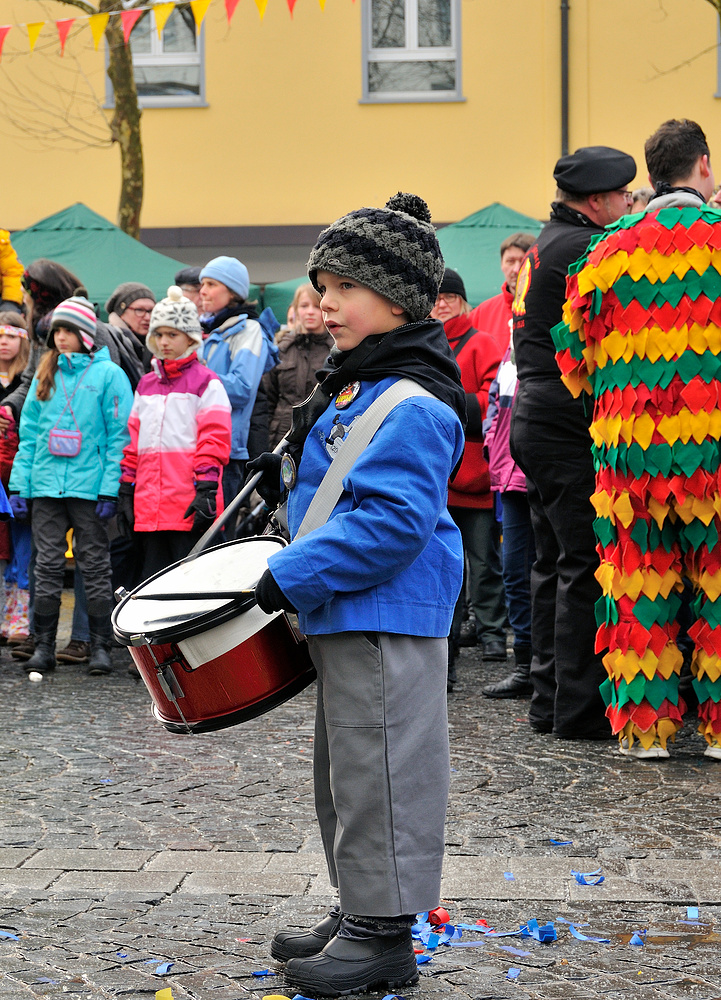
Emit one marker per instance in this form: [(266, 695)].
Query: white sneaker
[(713, 750), (655, 751)]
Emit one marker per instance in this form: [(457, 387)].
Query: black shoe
[(468, 635), (100, 635), (302, 944), (349, 965), (495, 649), (540, 726), (516, 685)]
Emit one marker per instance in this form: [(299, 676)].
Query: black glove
[(269, 596), (269, 486), (203, 507), (125, 517)]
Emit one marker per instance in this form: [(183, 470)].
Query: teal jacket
[(101, 407)]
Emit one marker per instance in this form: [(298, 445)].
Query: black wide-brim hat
[(594, 169)]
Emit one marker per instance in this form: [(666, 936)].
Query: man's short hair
[(521, 241), (674, 149)]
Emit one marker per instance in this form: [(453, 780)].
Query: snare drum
[(208, 655)]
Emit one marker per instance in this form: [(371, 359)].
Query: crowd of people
[(543, 465)]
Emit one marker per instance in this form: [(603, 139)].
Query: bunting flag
[(64, 27), (641, 332), (4, 28), (129, 19), (161, 13), (34, 29), (98, 23), (199, 9)]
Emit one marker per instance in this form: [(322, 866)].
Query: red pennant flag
[(129, 18), (64, 27), (291, 5), (230, 6), (4, 28)]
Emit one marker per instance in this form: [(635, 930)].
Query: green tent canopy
[(472, 247), (100, 254)]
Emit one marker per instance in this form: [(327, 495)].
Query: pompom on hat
[(392, 250), (229, 271), (178, 313), (78, 315)]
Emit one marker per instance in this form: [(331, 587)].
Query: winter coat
[(478, 358), (11, 271), (293, 378), (133, 356), (240, 351), (505, 474), (494, 316), (389, 558), (101, 408), (9, 441), (180, 433)]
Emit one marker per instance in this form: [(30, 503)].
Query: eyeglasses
[(447, 297), (628, 195), (140, 310)]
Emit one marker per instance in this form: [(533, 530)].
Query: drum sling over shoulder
[(357, 440)]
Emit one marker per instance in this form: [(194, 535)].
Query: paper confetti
[(164, 968), (9, 936), (560, 843), (509, 876), (166, 994), (587, 937), (588, 878), (513, 974), (263, 972), (637, 939)]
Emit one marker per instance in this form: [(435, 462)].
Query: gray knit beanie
[(392, 250), (125, 294)]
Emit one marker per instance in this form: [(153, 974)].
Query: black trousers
[(551, 443)]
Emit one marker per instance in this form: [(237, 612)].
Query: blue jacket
[(101, 407), (390, 558), (240, 351)]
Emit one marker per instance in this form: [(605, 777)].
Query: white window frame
[(157, 57), (411, 52)]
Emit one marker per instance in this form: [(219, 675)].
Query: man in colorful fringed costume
[(549, 441), (642, 333)]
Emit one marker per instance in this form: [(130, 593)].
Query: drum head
[(227, 569)]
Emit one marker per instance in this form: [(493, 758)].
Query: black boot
[(100, 637), (301, 944), (366, 952), (518, 684), (45, 627)]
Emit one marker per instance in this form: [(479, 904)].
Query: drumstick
[(220, 595)]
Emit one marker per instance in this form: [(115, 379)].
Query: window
[(168, 70), (411, 50)]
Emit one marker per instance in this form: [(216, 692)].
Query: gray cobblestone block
[(235, 884), (89, 860), (628, 890), (108, 881), (27, 878), (209, 861)]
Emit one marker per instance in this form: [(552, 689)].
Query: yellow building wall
[(284, 139)]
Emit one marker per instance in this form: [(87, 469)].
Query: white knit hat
[(178, 313)]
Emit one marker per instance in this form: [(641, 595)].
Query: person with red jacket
[(470, 501), (494, 315)]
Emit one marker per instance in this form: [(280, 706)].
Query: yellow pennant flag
[(322, 4), (34, 30), (261, 5), (199, 9), (166, 994), (162, 12), (98, 23)]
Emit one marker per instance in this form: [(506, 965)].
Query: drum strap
[(357, 440)]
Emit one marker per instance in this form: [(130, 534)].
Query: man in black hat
[(550, 441)]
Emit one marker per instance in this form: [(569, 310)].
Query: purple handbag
[(66, 444)]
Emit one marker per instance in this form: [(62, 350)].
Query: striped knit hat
[(78, 315), (392, 250)]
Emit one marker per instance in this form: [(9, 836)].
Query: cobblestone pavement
[(125, 848)]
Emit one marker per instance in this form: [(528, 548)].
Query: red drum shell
[(249, 680)]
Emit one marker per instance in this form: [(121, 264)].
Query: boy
[(375, 587)]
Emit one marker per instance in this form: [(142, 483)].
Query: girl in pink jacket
[(180, 436)]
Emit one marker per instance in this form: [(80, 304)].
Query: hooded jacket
[(240, 351), (179, 434), (99, 409), (293, 378)]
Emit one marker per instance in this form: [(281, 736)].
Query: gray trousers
[(381, 768), (51, 519)]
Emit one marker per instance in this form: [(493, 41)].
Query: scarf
[(662, 187), (171, 368), (419, 351), (211, 321)]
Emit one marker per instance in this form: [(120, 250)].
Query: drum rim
[(203, 622)]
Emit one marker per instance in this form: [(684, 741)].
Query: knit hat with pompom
[(178, 313), (392, 250)]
